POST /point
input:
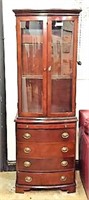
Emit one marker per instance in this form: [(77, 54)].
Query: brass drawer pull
[(64, 163), (27, 150), (64, 149), (65, 135), (27, 164), (27, 136), (28, 179), (63, 178)]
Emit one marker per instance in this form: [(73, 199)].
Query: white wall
[(82, 100)]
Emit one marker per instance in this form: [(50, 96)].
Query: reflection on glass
[(61, 61), (31, 94), (32, 58)]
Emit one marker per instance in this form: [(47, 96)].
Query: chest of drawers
[(45, 155)]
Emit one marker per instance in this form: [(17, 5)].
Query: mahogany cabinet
[(46, 121)]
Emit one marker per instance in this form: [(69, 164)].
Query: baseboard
[(12, 165), (77, 165)]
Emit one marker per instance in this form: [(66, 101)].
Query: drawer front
[(45, 125), (45, 135), (54, 164), (42, 179), (45, 150)]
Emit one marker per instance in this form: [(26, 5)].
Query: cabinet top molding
[(27, 12)]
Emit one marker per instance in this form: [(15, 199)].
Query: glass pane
[(61, 66), (32, 59)]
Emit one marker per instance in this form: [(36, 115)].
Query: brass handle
[(65, 135), (27, 136), (63, 178), (64, 163), (64, 149), (27, 164), (28, 179), (27, 150)]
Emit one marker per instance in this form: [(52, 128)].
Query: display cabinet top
[(27, 12)]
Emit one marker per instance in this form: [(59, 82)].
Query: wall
[(82, 100)]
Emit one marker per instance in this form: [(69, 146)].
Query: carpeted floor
[(7, 190)]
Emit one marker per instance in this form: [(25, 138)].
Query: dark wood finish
[(45, 178), (28, 12), (45, 150), (45, 135), (46, 121), (70, 188), (67, 104), (50, 164)]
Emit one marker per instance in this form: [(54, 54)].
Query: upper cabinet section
[(47, 58)]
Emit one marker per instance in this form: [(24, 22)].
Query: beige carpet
[(7, 191)]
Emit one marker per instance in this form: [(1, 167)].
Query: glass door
[(60, 66), (33, 66)]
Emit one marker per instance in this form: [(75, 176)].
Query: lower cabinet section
[(45, 155)]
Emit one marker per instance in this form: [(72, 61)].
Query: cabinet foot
[(69, 188), (21, 189), (72, 189)]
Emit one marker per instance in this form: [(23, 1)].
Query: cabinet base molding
[(70, 188)]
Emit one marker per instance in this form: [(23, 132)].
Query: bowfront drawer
[(54, 164), (45, 150), (45, 178), (46, 135)]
